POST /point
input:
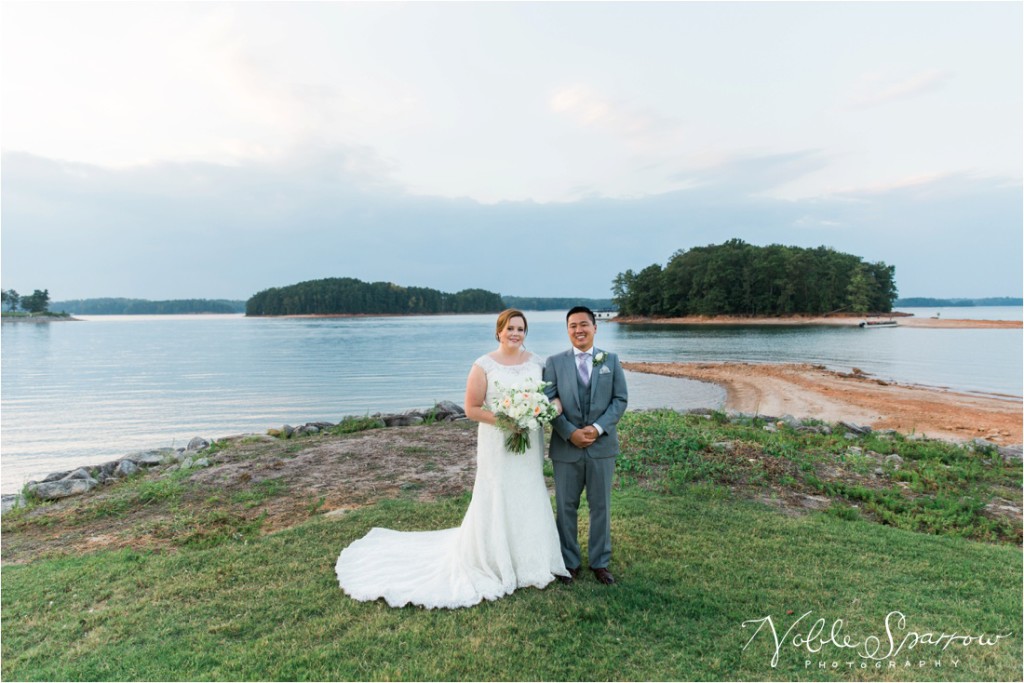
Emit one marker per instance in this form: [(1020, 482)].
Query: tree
[(37, 302), (11, 299)]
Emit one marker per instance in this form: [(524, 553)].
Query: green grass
[(940, 487), (692, 569), (693, 558)]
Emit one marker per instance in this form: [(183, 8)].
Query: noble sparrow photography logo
[(825, 646)]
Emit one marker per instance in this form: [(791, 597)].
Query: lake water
[(81, 393)]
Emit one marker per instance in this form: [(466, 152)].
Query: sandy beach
[(836, 321), (805, 390)]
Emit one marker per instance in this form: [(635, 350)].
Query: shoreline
[(902, 320), (804, 390)]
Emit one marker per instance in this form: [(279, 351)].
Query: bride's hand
[(558, 405)]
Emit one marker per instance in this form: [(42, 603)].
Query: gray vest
[(584, 392)]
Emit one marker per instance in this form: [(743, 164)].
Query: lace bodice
[(530, 370)]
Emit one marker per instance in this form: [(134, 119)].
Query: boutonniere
[(599, 358)]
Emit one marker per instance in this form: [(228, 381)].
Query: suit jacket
[(608, 399)]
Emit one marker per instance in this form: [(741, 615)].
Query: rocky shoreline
[(58, 485)]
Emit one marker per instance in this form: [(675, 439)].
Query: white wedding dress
[(507, 539)]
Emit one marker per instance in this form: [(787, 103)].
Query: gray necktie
[(584, 370)]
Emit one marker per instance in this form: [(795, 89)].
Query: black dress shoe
[(567, 580), (603, 575)]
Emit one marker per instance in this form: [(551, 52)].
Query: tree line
[(121, 306), (349, 295), (535, 303), (36, 302), (736, 278)]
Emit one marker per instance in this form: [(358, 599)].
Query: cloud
[(206, 230), (873, 91), (751, 173), (641, 128)]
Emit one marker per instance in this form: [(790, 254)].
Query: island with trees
[(349, 296), (740, 279), (34, 307)]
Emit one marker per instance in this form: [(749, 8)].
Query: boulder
[(447, 409), (1011, 453), (855, 428), (150, 458), (55, 490), (55, 476), (894, 460), (402, 420), (197, 443), (287, 431), (201, 462), (186, 462), (80, 473), (125, 468)]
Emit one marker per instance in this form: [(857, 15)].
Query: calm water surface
[(78, 393)]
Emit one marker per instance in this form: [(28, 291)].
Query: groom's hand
[(584, 438)]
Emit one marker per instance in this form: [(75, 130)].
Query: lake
[(81, 393)]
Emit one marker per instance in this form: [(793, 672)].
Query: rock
[(150, 458), (11, 501), (1011, 453), (287, 431), (55, 490), (879, 471), (186, 462), (855, 450), (444, 409), (791, 421), (894, 460), (856, 429), (770, 428), (80, 473), (55, 476), (201, 462), (402, 420), (274, 432), (197, 443), (125, 468)]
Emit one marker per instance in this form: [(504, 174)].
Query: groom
[(584, 442)]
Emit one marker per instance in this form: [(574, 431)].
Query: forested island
[(736, 278), (341, 296), (118, 306)]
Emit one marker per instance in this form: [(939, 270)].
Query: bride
[(507, 539)]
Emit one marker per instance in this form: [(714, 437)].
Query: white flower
[(599, 358)]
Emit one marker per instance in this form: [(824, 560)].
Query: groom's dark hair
[(580, 309)]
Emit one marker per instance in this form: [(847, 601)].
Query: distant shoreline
[(902, 319)]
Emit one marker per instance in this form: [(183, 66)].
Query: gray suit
[(602, 403)]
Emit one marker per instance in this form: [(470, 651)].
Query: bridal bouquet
[(519, 409)]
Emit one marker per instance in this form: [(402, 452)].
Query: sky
[(213, 150)]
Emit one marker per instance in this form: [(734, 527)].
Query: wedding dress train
[(507, 539)]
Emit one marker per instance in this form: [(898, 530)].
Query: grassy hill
[(707, 538)]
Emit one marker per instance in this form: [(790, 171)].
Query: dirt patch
[(260, 480)]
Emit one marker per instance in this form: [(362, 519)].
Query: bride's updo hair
[(507, 315)]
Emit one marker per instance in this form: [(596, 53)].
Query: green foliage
[(37, 302), (118, 306), (940, 488), (534, 303), (351, 424), (921, 302), (736, 278), (351, 296)]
